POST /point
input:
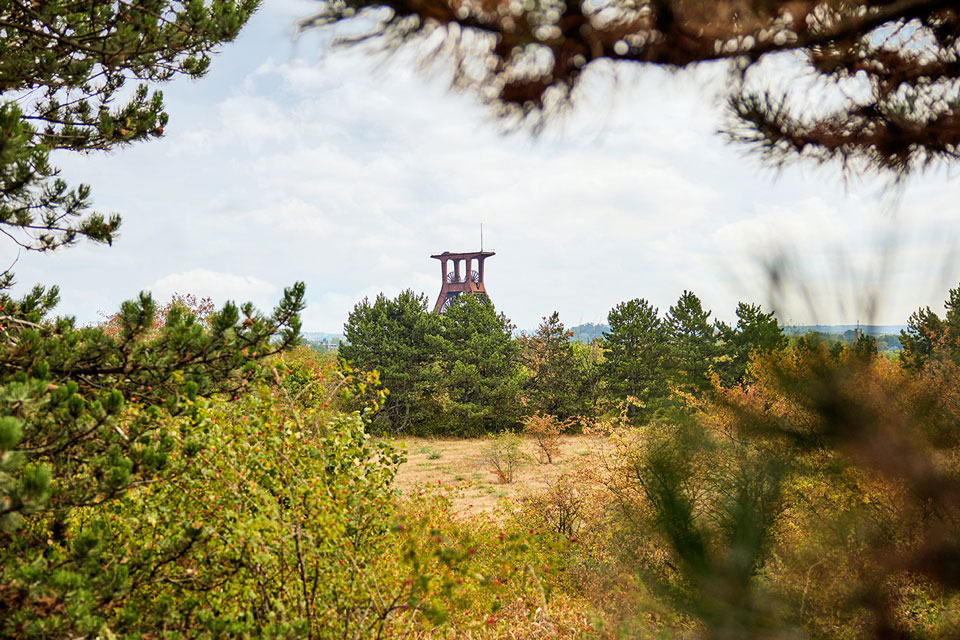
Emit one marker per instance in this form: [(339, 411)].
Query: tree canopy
[(477, 367), (755, 331), (636, 347), (456, 374), (693, 347), (557, 379), (891, 65), (928, 336), (390, 335)]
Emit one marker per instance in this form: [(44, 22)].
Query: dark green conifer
[(634, 350), (477, 368), (556, 385), (693, 344), (392, 336), (754, 332)]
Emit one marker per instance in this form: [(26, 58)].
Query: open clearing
[(457, 465)]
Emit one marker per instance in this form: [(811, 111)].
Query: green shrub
[(503, 456), (274, 528), (91, 416)]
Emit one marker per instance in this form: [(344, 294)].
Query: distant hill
[(887, 335), (868, 329), (320, 335), (589, 332)]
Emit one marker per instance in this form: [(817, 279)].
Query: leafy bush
[(503, 456), (562, 507), (314, 379), (90, 416), (486, 577), (274, 526), (546, 430)]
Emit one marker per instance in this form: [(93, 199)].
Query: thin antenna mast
[(481, 236)]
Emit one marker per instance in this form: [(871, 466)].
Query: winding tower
[(457, 281)]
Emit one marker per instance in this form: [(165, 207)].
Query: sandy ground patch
[(458, 466)]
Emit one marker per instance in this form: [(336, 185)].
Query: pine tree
[(556, 381), (693, 344), (477, 368), (924, 332), (635, 349), (392, 336), (929, 337), (865, 346), (65, 72), (87, 413), (84, 420), (754, 332)]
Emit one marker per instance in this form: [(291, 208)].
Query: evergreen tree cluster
[(456, 373), (648, 358), (929, 338), (463, 373)]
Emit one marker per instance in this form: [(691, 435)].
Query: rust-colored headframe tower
[(468, 280)]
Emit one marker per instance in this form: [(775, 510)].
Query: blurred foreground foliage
[(883, 74), (819, 501)]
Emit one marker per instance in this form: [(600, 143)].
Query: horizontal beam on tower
[(446, 255)]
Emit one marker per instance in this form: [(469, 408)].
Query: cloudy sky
[(291, 161)]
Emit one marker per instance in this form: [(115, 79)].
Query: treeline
[(464, 373), (886, 342)]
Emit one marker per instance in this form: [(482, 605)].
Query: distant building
[(323, 344)]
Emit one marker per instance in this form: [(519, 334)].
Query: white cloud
[(217, 285)]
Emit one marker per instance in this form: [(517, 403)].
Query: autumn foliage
[(546, 431)]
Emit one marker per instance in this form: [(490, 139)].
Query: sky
[(292, 160)]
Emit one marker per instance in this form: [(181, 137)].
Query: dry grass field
[(457, 465)]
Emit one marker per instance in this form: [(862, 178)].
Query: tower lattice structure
[(459, 281)]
